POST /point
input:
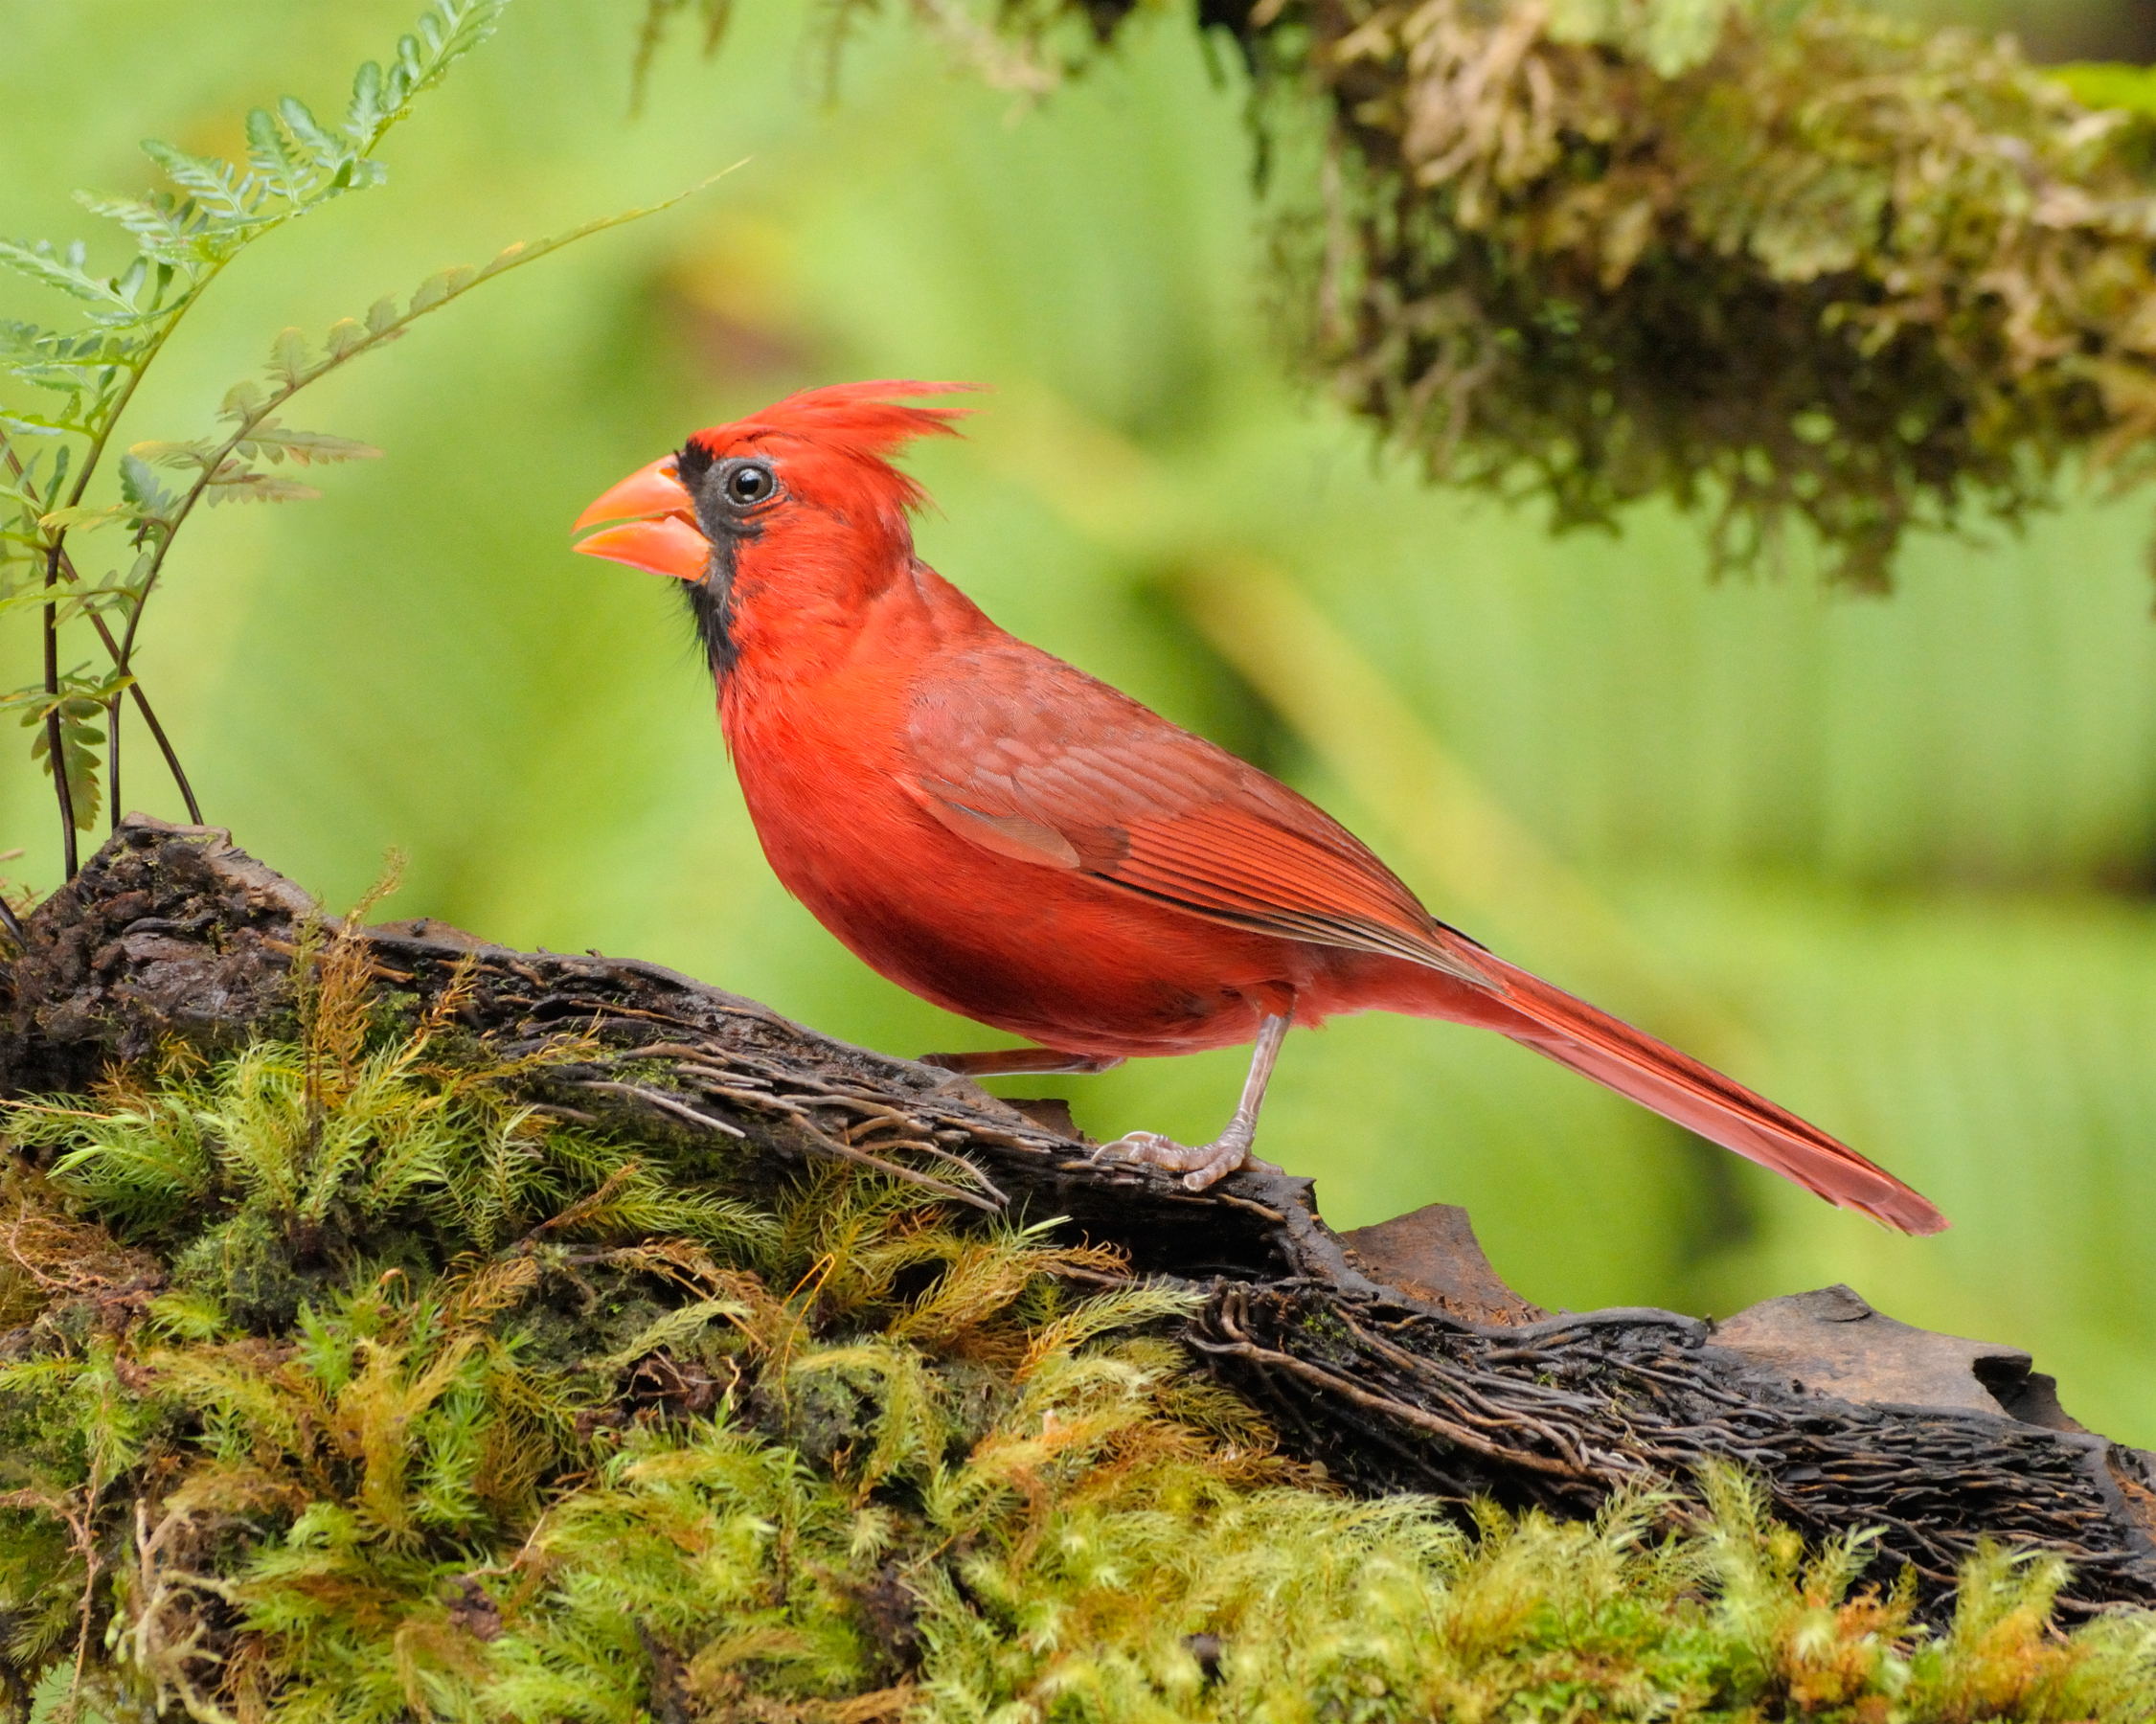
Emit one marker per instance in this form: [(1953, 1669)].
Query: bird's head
[(795, 503)]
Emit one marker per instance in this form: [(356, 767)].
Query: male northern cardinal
[(1008, 837)]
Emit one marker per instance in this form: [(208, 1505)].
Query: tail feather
[(1700, 1099)]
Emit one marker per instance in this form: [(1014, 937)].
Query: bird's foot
[(1200, 1165)]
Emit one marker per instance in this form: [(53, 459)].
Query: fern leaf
[(128, 282), (199, 453), (69, 600), (218, 187), (82, 515), (236, 484), (65, 378), (80, 706), (441, 286), (447, 31), (345, 335), (289, 359), (272, 156), (243, 402), (140, 486), (19, 340), (322, 145), (304, 449), (34, 424), (366, 115), (55, 1701), (155, 224), (40, 263)]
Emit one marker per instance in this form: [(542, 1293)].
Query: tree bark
[(1392, 1355)]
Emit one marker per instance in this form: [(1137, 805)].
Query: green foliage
[(1791, 259), (88, 373), (344, 1384), (1823, 266), (184, 240)]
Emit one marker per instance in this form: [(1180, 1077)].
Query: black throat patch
[(711, 599), (711, 606)]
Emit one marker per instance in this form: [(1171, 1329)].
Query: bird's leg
[(1023, 1062), (1205, 1163)]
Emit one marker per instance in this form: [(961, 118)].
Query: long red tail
[(1700, 1099)]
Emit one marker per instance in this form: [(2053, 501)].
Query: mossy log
[(1392, 1355)]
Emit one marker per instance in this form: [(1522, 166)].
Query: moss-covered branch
[(402, 1326)]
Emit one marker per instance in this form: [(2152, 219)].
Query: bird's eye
[(749, 484)]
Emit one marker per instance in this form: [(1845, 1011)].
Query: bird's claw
[(1200, 1165)]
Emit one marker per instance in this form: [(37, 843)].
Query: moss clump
[(1789, 260), (1803, 260), (340, 1383)]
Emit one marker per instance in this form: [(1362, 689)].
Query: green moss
[(342, 1384), (1791, 262), (1799, 261)]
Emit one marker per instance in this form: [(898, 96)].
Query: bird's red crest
[(863, 420)]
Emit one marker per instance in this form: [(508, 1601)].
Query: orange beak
[(657, 531)]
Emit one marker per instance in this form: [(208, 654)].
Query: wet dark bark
[(1393, 1354)]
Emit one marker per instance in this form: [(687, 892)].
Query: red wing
[(1037, 762), (1025, 756)]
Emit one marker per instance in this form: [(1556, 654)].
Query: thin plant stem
[(134, 690), (112, 763), (98, 441), (9, 922), (164, 745), (56, 745), (156, 731), (441, 290)]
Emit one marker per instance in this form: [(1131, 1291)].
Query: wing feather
[(1041, 763), (1031, 760)]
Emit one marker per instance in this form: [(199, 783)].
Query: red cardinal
[(1021, 844)]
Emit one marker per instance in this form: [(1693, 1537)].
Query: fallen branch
[(1393, 1354)]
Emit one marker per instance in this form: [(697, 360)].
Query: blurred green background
[(1892, 861)]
